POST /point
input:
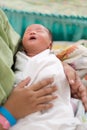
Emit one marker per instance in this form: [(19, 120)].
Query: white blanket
[(61, 116)]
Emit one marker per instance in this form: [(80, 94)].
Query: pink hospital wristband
[(4, 122)]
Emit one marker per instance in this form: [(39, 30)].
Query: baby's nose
[(33, 32)]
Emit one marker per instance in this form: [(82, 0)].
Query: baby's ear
[(50, 47)]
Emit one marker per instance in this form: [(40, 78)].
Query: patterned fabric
[(76, 56)]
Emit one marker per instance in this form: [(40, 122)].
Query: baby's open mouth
[(32, 38)]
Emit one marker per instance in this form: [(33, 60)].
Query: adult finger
[(70, 72), (23, 83), (46, 91), (45, 106), (77, 81), (84, 101), (41, 84), (46, 99)]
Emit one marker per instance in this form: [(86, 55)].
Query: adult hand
[(26, 100), (78, 90), (73, 79)]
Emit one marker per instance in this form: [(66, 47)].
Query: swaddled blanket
[(43, 65), (61, 116)]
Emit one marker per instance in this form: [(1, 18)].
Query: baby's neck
[(30, 54)]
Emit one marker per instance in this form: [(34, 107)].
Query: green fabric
[(8, 44), (64, 28)]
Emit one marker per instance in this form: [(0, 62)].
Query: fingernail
[(28, 78), (72, 81)]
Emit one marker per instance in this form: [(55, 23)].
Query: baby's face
[(36, 39)]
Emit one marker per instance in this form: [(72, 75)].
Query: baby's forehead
[(36, 27)]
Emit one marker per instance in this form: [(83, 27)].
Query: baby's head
[(36, 39)]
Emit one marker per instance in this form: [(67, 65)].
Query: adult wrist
[(11, 119)]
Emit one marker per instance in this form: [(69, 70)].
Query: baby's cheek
[(25, 38)]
